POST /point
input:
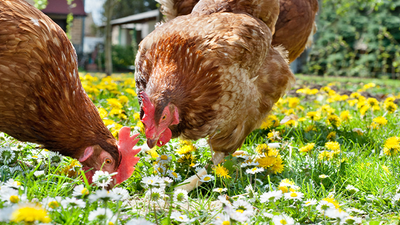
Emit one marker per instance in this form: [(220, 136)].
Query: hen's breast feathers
[(212, 74), (41, 98)]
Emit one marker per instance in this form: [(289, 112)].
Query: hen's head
[(96, 158), (157, 119)]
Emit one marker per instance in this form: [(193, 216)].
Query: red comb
[(147, 107), (128, 159)]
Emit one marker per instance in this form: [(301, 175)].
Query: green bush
[(363, 41)]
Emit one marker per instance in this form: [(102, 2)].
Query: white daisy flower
[(237, 214), (179, 217), (268, 215), (102, 178), (164, 159), (155, 194), (140, 221), (352, 189), (223, 199), (80, 190), (73, 202), (283, 219), (222, 219), (352, 220), (271, 196), (160, 169), (122, 192), (100, 214), (152, 181), (11, 183), (255, 170), (356, 211), (174, 175), (51, 203), (55, 158), (325, 205), (323, 176), (297, 196), (103, 195), (206, 178), (220, 190), (38, 173), (310, 202), (11, 195), (336, 213), (7, 155), (167, 180), (243, 207), (181, 195)]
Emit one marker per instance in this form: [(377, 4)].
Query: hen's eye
[(164, 117), (107, 161)]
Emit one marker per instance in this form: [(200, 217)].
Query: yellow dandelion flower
[(331, 135), (302, 119), (325, 156), (355, 95), (314, 116), (278, 166), (114, 103), (352, 102), (266, 161), (123, 99), (364, 109), (130, 91), (381, 121), (153, 153), (345, 115), (390, 107), (274, 135), (392, 146), (140, 125), (310, 128), (334, 120), (368, 86), (29, 214), (186, 149), (136, 116), (332, 145), (372, 102), (307, 148), (221, 171), (293, 102), (291, 123), (269, 122)]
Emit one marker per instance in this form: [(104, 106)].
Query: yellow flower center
[(293, 194), (207, 178), (85, 191), (175, 174), (283, 221), (254, 169), (226, 223), (240, 211), (110, 223), (164, 157), (14, 199)]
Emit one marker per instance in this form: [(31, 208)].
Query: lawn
[(327, 154)]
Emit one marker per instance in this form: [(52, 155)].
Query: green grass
[(360, 163)]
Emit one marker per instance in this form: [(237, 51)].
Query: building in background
[(58, 11)]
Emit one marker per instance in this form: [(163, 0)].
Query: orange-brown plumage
[(293, 30), (217, 68), (41, 96), (295, 25)]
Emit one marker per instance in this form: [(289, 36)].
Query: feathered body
[(41, 96), (216, 68), (295, 26)]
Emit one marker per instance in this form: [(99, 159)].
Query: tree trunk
[(108, 44)]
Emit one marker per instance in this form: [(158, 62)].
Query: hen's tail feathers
[(310, 39), (283, 52)]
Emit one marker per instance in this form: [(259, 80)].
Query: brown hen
[(41, 96), (211, 73), (293, 30)]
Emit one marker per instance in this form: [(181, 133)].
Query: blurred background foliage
[(357, 38)]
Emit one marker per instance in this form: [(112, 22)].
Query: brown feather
[(41, 96)]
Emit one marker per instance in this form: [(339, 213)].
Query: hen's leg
[(194, 181)]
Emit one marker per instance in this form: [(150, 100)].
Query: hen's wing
[(295, 25)]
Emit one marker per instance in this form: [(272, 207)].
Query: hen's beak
[(151, 142)]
